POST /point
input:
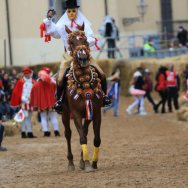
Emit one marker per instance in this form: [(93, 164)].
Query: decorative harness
[(83, 82)]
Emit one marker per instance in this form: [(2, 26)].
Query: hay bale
[(127, 67), (11, 128), (182, 114)]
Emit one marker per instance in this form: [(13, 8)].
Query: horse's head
[(78, 46)]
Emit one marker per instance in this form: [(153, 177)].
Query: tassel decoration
[(76, 97), (89, 110), (96, 45), (47, 38)]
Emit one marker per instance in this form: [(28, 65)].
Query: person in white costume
[(21, 98), (73, 19)]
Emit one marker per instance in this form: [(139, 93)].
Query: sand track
[(136, 151)]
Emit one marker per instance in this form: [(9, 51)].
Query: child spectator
[(137, 91)]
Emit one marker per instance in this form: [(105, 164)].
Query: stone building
[(20, 20)]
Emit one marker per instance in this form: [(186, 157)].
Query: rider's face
[(72, 13)]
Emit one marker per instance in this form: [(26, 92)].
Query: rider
[(73, 19)]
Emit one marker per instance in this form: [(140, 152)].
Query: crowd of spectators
[(7, 83)]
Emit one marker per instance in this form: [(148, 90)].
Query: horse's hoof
[(88, 167), (71, 168), (82, 164), (94, 164)]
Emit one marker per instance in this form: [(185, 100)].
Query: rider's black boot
[(59, 96), (60, 92), (106, 100)]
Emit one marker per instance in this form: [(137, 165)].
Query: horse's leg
[(97, 139), (68, 133), (85, 132), (83, 142)]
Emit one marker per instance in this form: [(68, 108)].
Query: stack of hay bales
[(127, 67), (11, 128), (182, 113)]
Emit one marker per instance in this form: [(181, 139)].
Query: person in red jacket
[(43, 99), (172, 86), (161, 88), (21, 98)]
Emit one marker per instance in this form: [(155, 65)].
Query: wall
[(26, 15)]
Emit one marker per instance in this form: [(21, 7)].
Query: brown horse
[(83, 99)]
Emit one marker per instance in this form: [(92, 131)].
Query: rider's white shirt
[(58, 30)]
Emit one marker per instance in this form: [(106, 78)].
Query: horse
[(83, 99)]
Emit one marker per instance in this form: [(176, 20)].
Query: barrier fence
[(132, 47)]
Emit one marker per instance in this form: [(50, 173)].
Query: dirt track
[(149, 151)]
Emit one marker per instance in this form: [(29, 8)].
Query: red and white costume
[(21, 98), (43, 99)]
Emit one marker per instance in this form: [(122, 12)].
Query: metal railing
[(128, 50)]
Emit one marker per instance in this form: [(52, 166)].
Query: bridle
[(79, 35)]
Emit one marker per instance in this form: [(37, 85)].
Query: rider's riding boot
[(59, 96), (106, 100), (60, 92)]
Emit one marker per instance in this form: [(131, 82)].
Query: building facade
[(20, 43)]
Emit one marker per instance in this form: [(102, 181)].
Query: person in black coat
[(182, 36), (112, 34)]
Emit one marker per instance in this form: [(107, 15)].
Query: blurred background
[(137, 21)]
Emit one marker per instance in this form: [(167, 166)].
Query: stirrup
[(58, 106)]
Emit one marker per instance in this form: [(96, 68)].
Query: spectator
[(112, 34), (21, 98), (172, 85), (110, 30), (182, 36), (161, 88), (149, 47), (1, 135), (148, 87), (137, 90), (43, 99), (5, 109), (113, 91), (6, 85), (14, 74)]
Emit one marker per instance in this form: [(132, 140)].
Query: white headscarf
[(65, 21)]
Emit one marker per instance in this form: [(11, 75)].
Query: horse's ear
[(82, 27), (67, 30)]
